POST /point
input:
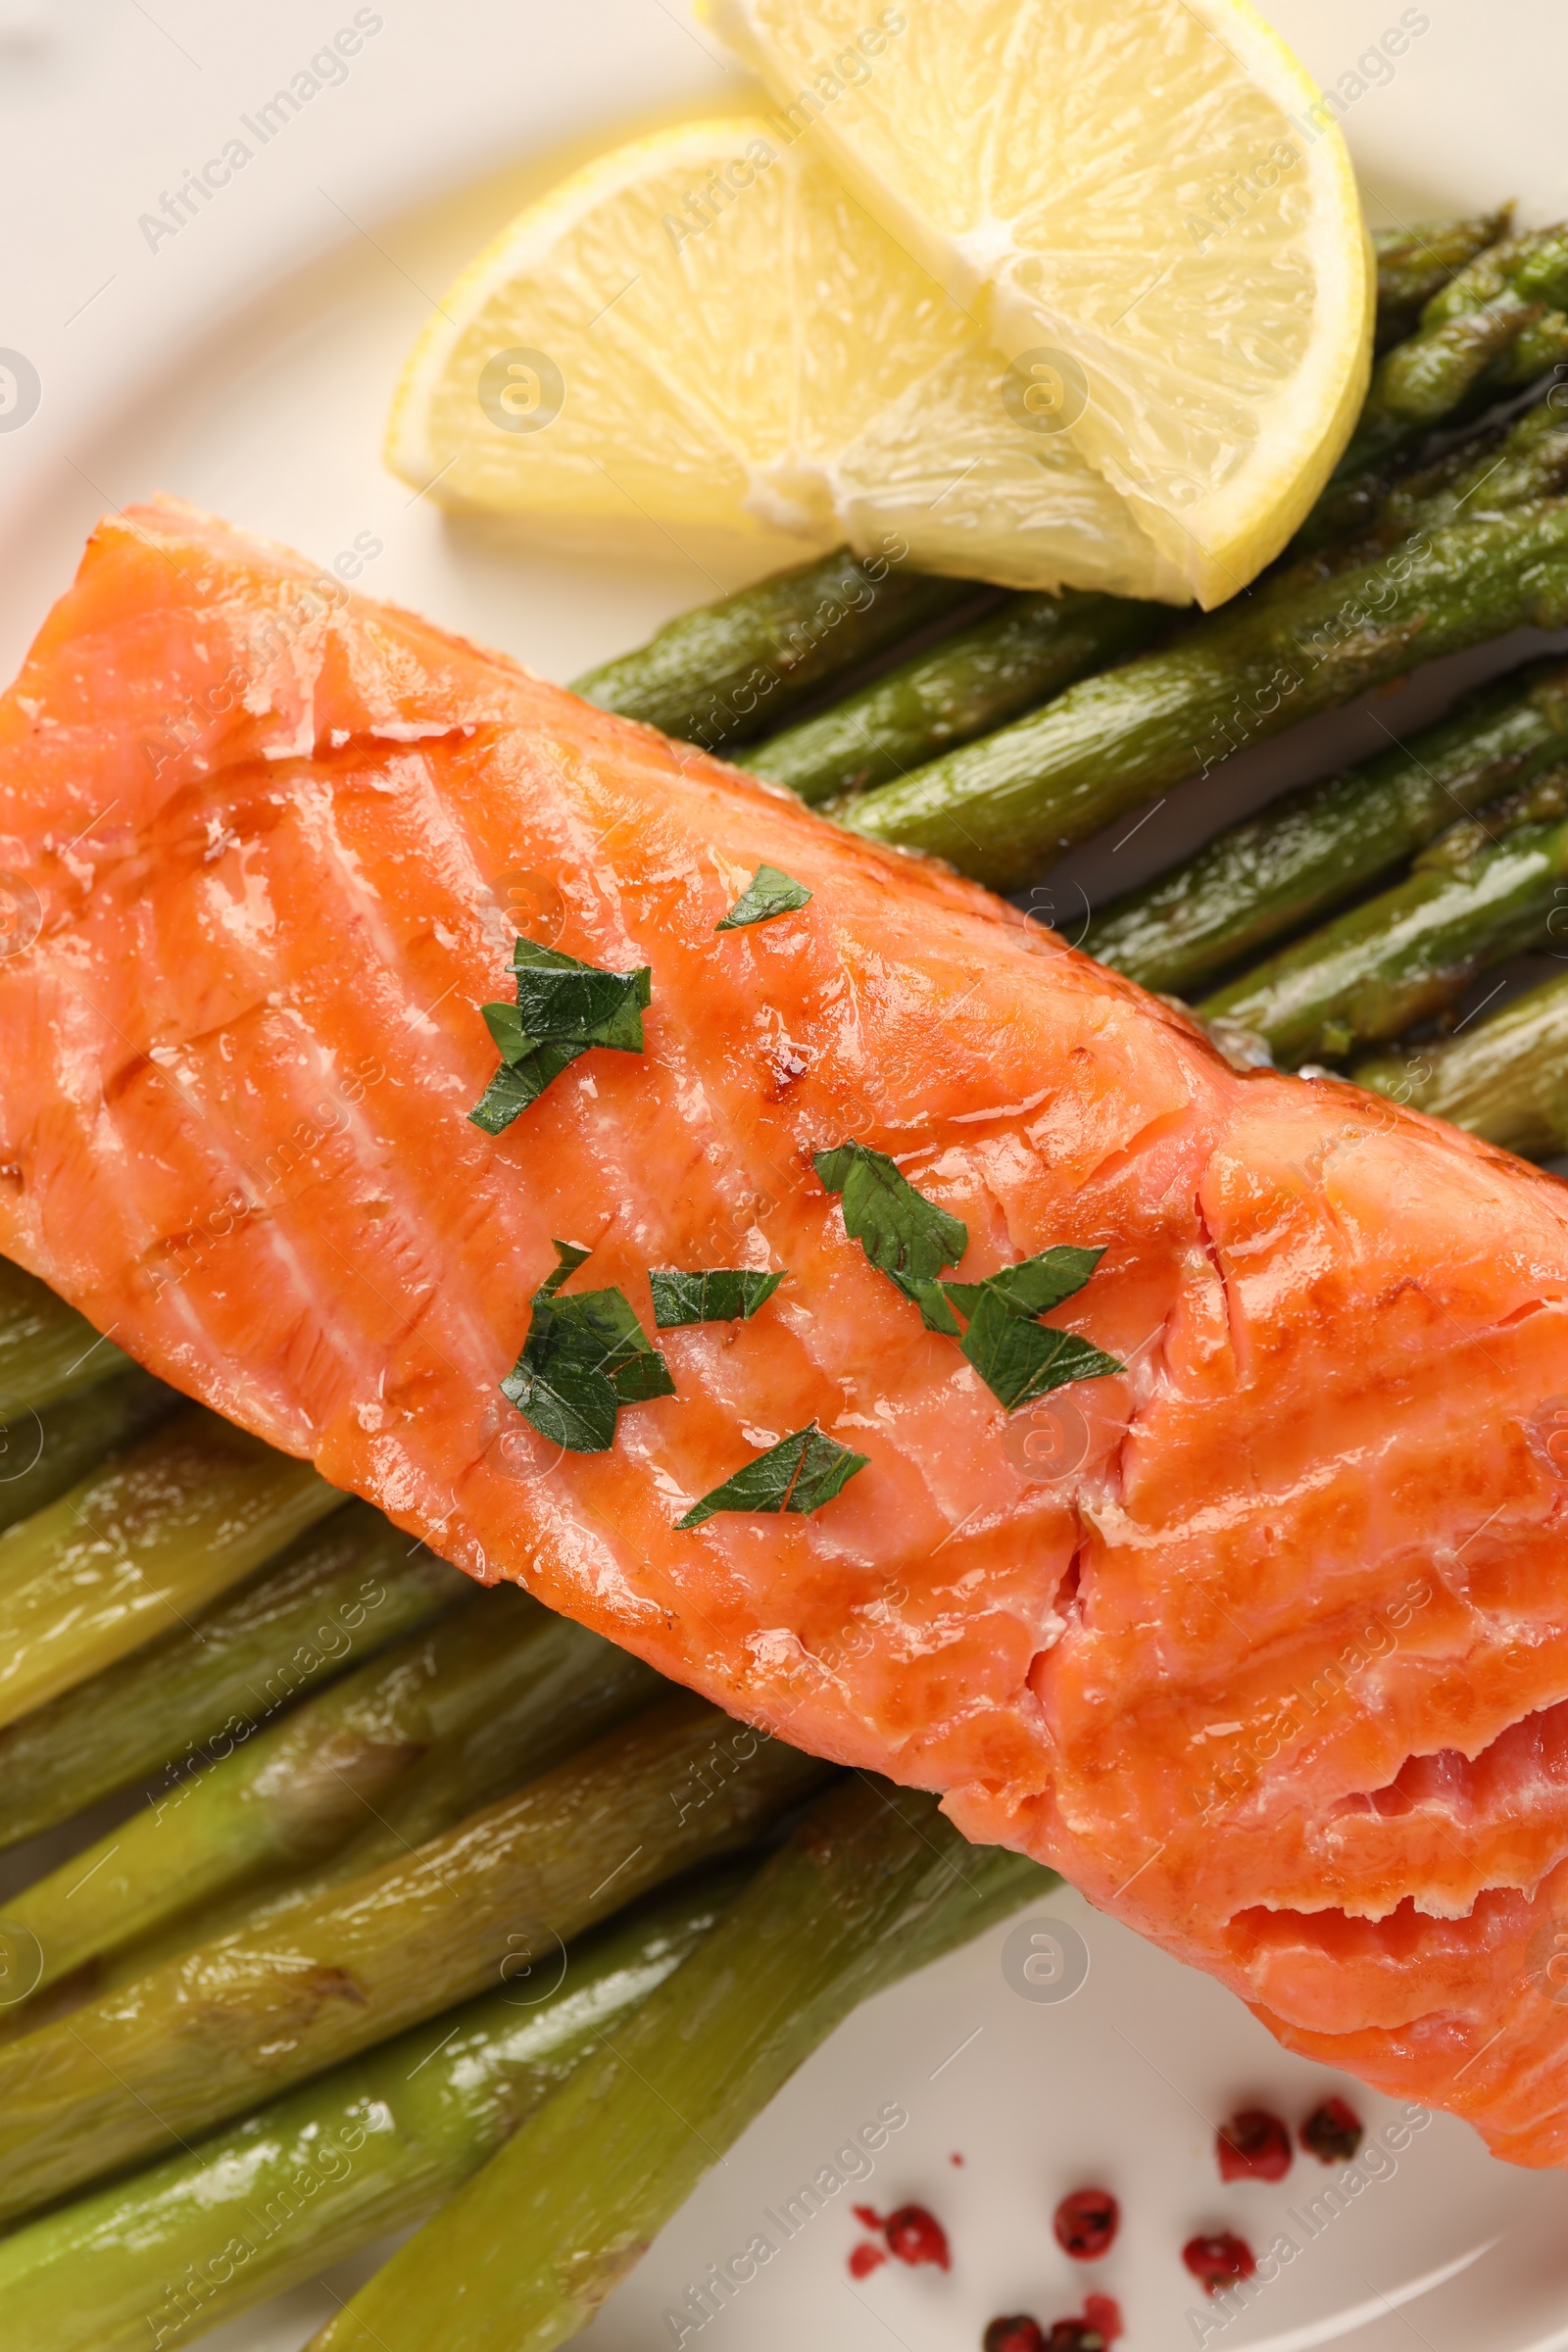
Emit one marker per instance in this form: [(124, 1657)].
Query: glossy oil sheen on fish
[(1262, 1641)]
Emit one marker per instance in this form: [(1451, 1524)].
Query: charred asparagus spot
[(1468, 905), (976, 679), (730, 670), (204, 2038), (1319, 847), (131, 1551), (872, 1884), (380, 2141), (1003, 809), (1504, 1079)]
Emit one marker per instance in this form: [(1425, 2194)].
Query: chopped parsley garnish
[(767, 894), (506, 1032), (513, 1087), (724, 1296), (560, 998), (1017, 1355), (563, 1010), (1020, 1359), (910, 1240), (584, 1357), (1034, 1286), (902, 1233), (800, 1473)]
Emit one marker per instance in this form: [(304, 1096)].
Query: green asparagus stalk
[(1001, 808), (1468, 327), (1412, 950), (47, 1350), (1414, 264), (1490, 472), (1542, 800), (371, 2147), (1424, 381), (521, 1724), (136, 1546), (1484, 337), (41, 1455), (1506, 1079), (339, 1594), (1539, 350), (577, 1685), (295, 1792), (1493, 467), (730, 670), (1533, 265), (1319, 847), (206, 2037), (873, 1885), (1331, 841), (531, 1726), (976, 679)]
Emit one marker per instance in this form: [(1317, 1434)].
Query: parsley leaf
[(910, 1240), (902, 1232), (514, 1087), (1020, 1359), (570, 1255), (929, 1295), (720, 1297), (1032, 1286), (1017, 1357), (584, 1357), (767, 894), (800, 1473), (560, 999), (507, 1034), (563, 1010)]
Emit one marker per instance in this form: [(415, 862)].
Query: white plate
[(235, 370)]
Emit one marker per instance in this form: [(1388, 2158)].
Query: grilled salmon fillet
[(1262, 1638)]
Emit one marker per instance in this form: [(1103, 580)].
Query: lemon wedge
[(702, 337), (1146, 202)]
